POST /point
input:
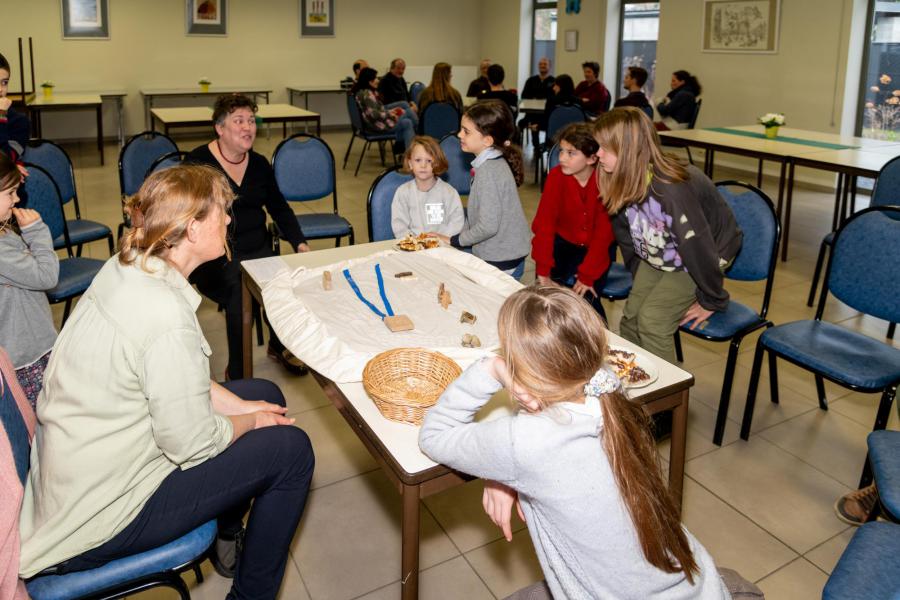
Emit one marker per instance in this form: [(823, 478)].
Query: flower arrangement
[(882, 113), (204, 81), (772, 120), (48, 84)]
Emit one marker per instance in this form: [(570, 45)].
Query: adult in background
[(392, 86), (358, 66), (497, 91), (480, 84), (591, 92), (563, 94), (633, 81), (379, 117), (137, 446), (253, 183), (440, 90), (537, 87), (677, 108)]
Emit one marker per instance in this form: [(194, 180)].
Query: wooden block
[(326, 280), (440, 291), (467, 318), (398, 323), (470, 340), (403, 274), (444, 296)]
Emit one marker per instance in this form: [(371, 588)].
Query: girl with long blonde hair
[(440, 90)]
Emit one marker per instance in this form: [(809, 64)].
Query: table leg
[(676, 449), (786, 228), (836, 219), (100, 132), (120, 109), (148, 120), (853, 181), (246, 326), (845, 198), (318, 126), (306, 100), (710, 162), (409, 549)]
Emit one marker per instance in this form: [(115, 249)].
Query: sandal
[(291, 363), (855, 507)]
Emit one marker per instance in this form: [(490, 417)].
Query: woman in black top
[(253, 182), (563, 93), (677, 108)]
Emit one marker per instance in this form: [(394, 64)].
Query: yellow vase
[(772, 132), (48, 92), (204, 87)]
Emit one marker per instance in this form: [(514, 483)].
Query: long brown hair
[(629, 133), (441, 90), (553, 342), (10, 177), (431, 147), (493, 118)]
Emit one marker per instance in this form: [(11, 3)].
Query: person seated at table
[(253, 183), (497, 91), (440, 90), (537, 87), (591, 92), (393, 88), (678, 107), (563, 95), (376, 116), (136, 446), (633, 81), (14, 126), (481, 83)]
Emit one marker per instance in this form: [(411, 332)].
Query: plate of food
[(634, 370), (414, 243)]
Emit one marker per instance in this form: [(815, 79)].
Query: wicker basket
[(406, 382)]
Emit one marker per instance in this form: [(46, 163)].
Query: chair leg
[(759, 174), (119, 231), (257, 320), (820, 391), (884, 408), (109, 241), (347, 153), (773, 378), (891, 329), (365, 147), (352, 236), (725, 399), (381, 152), (817, 273), (679, 355), (78, 250), (690, 158), (198, 573), (751, 391), (66, 311)]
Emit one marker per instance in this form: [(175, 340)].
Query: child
[(14, 126), (579, 453), (572, 234), (676, 233), (495, 228), (28, 266), (427, 203)]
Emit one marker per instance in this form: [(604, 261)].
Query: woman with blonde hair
[(137, 446), (440, 90)]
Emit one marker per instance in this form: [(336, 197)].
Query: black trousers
[(567, 257), (220, 281), (272, 467)]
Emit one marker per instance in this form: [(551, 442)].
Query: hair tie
[(507, 144), (137, 217), (603, 382)]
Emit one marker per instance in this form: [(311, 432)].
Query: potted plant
[(204, 84), (772, 121), (48, 86)]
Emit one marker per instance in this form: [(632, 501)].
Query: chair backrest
[(439, 119), (137, 155), (55, 161), (561, 116), (378, 205), (355, 116), (415, 90), (694, 116), (16, 416), (171, 159), (864, 267), (304, 169), (43, 196), (459, 165), (553, 157), (887, 186)]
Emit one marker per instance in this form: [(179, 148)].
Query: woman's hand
[(697, 314), (581, 289), (498, 500), (303, 247), (255, 406), (265, 418), (26, 216)]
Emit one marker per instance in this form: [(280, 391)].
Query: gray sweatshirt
[(581, 530), (496, 227), (438, 210), (28, 267)]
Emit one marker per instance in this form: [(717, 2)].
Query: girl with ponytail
[(579, 454)]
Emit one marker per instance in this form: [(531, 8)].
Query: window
[(879, 114), (637, 46), (544, 39)]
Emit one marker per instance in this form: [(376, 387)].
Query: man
[(358, 66), (392, 86), (480, 85), (591, 92), (497, 91), (540, 86), (634, 80)]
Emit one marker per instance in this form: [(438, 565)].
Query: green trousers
[(655, 306)]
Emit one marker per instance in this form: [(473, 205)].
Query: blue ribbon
[(355, 288)]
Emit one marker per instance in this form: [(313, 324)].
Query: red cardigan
[(577, 215), (596, 95)]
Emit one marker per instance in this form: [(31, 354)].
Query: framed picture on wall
[(740, 26), (316, 18), (206, 17), (85, 19)]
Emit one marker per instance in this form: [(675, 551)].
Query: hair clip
[(603, 382), (507, 143)]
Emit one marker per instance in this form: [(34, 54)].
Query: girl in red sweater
[(572, 232)]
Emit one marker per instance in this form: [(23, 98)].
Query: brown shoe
[(291, 363), (854, 508)]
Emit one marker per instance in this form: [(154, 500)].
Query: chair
[(864, 273), (884, 460), (75, 273), (135, 158), (415, 90), (869, 565), (553, 157), (439, 119), (378, 204), (559, 117), (56, 161), (883, 193), (123, 577), (756, 261), (459, 165), (171, 159), (618, 282), (691, 124), (359, 131), (304, 171)]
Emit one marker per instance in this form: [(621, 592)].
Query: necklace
[(225, 158)]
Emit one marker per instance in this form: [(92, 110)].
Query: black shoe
[(291, 363), (226, 553), (662, 425)]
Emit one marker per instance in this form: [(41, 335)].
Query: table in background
[(287, 113), (306, 90), (532, 106), (395, 447), (194, 116), (149, 94), (63, 102)]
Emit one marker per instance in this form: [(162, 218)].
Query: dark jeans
[(567, 258), (272, 467), (220, 281)]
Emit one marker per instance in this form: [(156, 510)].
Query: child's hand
[(25, 216), (544, 280), (581, 289), (697, 314), (497, 501), (22, 170), (440, 236)]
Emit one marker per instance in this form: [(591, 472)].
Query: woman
[(137, 446), (376, 116), (677, 108), (440, 90), (253, 184), (563, 94)]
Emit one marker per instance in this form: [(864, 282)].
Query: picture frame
[(85, 19), (316, 18), (571, 40), (206, 17), (741, 26)]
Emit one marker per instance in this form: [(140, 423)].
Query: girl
[(578, 453), (440, 90), (677, 108), (28, 266), (14, 126), (572, 234), (676, 233), (375, 115), (496, 228), (427, 203)]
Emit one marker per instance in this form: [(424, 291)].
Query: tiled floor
[(762, 507)]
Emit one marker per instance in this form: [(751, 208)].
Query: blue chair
[(868, 568), (415, 90), (883, 193), (459, 165), (304, 171), (135, 158), (171, 159), (559, 117), (123, 577), (553, 157), (864, 273), (884, 461), (756, 261), (75, 273), (56, 161), (359, 131), (439, 119), (618, 282), (378, 204)]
